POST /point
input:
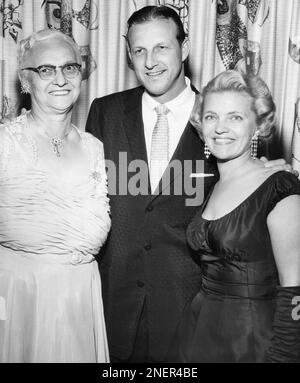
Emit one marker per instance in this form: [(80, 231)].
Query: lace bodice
[(43, 214)]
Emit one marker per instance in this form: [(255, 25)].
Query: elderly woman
[(246, 235), (54, 216)]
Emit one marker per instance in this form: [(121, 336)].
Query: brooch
[(96, 176)]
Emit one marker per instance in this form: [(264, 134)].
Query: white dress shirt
[(180, 110)]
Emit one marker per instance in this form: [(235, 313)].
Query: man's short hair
[(149, 13)]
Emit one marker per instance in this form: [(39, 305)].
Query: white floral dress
[(50, 231)]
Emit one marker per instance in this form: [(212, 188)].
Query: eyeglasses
[(49, 72)]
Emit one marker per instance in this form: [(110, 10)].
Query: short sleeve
[(99, 175), (100, 167), (284, 185)]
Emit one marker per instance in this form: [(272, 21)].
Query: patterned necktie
[(159, 146)]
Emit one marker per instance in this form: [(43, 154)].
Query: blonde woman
[(246, 235)]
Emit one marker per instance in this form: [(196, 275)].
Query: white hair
[(26, 45)]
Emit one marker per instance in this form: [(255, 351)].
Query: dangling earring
[(254, 145), (25, 87), (206, 151)]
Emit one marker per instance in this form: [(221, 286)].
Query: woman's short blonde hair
[(26, 45), (253, 86)]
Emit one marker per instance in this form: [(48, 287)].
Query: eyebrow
[(232, 112), (66, 63), (210, 111), (165, 42), (236, 112)]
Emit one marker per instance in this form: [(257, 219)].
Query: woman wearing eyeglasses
[(54, 216)]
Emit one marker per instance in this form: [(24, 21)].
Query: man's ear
[(185, 49), (128, 49), (128, 54)]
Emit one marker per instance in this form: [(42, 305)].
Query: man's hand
[(279, 164)]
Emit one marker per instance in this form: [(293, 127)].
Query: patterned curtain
[(257, 36)]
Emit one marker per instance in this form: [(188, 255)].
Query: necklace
[(56, 143)]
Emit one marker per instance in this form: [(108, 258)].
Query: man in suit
[(148, 271)]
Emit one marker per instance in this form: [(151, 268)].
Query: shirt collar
[(172, 104)]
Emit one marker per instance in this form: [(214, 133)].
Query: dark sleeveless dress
[(230, 319)]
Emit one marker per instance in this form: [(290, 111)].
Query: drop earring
[(206, 151), (254, 145)]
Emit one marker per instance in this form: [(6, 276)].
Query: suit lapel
[(188, 148), (133, 125), (134, 128)]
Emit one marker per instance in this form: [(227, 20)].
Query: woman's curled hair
[(233, 81)]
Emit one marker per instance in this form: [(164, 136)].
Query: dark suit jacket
[(146, 257)]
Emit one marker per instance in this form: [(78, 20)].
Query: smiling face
[(228, 124), (60, 93), (157, 58)]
